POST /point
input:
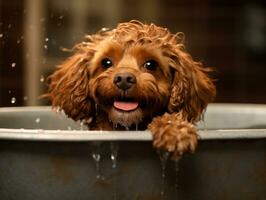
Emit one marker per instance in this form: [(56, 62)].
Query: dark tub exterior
[(45, 156)]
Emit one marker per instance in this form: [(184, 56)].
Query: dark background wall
[(227, 35)]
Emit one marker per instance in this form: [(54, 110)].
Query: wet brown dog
[(135, 75)]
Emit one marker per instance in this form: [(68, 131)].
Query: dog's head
[(131, 73)]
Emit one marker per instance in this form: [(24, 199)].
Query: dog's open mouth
[(125, 105), (125, 112)]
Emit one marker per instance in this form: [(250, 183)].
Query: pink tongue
[(126, 106)]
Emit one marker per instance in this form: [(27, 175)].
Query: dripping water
[(37, 120), (13, 100), (115, 125), (114, 147), (164, 156), (137, 126), (114, 153), (83, 125), (96, 155)]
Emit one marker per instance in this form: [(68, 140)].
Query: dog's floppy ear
[(192, 88), (69, 87)]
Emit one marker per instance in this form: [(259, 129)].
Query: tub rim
[(86, 135), (89, 135)]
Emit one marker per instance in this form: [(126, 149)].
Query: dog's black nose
[(124, 81)]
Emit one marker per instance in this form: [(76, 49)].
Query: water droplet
[(61, 17), (25, 98), (104, 29), (45, 46), (69, 128), (58, 110), (114, 152), (46, 39), (1, 35), (97, 158), (9, 26), (37, 120), (13, 100), (164, 156), (42, 79), (18, 41), (9, 91), (13, 65)]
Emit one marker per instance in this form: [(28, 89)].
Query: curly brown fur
[(135, 74)]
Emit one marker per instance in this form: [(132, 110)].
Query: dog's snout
[(124, 81)]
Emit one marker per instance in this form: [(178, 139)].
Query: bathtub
[(44, 155)]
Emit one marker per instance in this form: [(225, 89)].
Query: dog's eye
[(106, 63), (151, 65)]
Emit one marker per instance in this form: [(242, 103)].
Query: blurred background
[(227, 35)]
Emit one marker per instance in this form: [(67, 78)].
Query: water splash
[(13, 100), (1, 35), (164, 157)]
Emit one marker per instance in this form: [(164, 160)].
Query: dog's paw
[(172, 134)]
